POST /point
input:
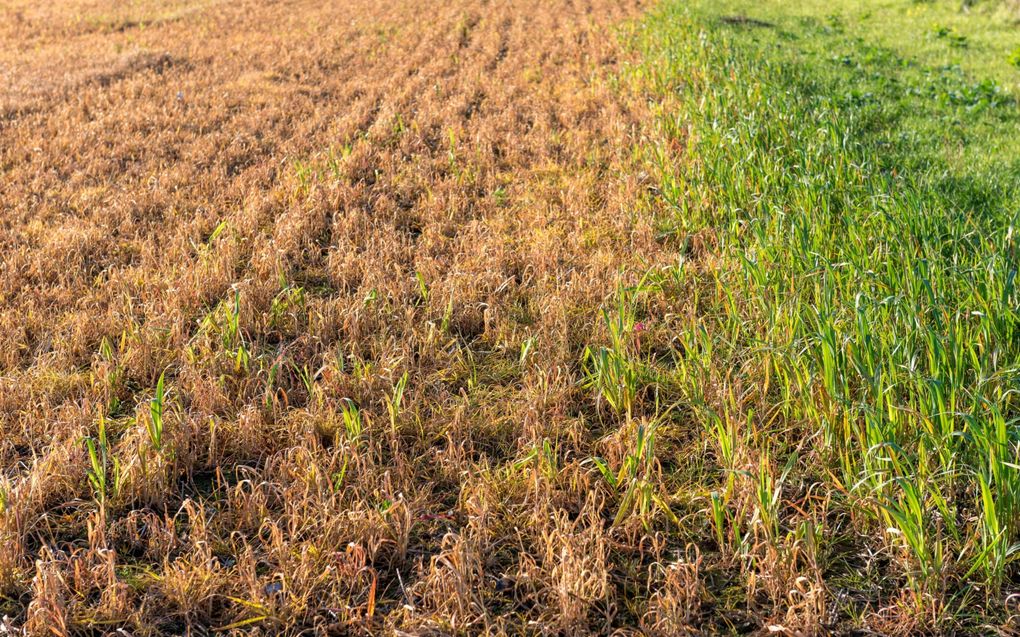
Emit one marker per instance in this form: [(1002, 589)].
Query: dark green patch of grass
[(865, 334)]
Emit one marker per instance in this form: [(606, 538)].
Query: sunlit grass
[(865, 202)]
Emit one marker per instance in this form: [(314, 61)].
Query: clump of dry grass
[(326, 275)]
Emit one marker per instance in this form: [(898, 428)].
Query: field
[(544, 317)]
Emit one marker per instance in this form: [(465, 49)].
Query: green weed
[(104, 473)]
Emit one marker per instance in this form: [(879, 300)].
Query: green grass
[(933, 33), (855, 357)]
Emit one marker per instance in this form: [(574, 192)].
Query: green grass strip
[(865, 203)]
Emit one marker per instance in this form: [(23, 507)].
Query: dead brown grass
[(384, 188)]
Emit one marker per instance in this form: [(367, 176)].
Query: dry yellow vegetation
[(293, 302), (508, 317)]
